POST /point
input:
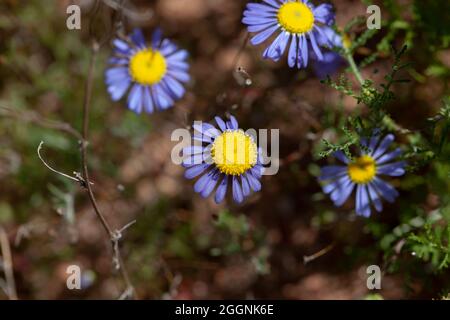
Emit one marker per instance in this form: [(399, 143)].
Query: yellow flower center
[(147, 67), (234, 152), (296, 17), (346, 41), (363, 170)]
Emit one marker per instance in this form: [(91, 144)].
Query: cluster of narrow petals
[(300, 26)]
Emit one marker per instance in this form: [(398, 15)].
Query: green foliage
[(374, 98), (432, 245)]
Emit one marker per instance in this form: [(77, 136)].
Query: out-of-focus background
[(183, 246)]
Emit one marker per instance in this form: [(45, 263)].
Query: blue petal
[(194, 159), (260, 27), (118, 89), (374, 197), (202, 138), (157, 38), (389, 156), (330, 64), (341, 157), (234, 123), (206, 129), (257, 171), (221, 190), (221, 123), (148, 101), (327, 37), (116, 74), (273, 3), (260, 7), (167, 47), (174, 87), (254, 182), (117, 61), (211, 184), (195, 170), (237, 191), (253, 20), (162, 100), (392, 169), (384, 144), (373, 144), (245, 186), (362, 201), (180, 55), (315, 46), (292, 55), (121, 45), (343, 188), (176, 65), (276, 50), (187, 151), (262, 36), (135, 98), (201, 183), (324, 14), (332, 172), (386, 190), (179, 75), (138, 38), (303, 50)]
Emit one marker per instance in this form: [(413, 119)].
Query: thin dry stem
[(8, 265)]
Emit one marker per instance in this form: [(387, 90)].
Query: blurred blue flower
[(155, 73), (331, 63), (226, 156), (298, 22), (364, 173)]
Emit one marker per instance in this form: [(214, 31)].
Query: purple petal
[(362, 201), (392, 169), (389, 156), (374, 197), (384, 189), (332, 172), (262, 36), (237, 191), (384, 144), (221, 190), (195, 170)]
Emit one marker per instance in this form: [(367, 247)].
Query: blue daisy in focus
[(155, 73), (226, 157), (300, 26), (364, 174)]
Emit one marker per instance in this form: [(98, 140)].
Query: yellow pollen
[(296, 17), (362, 170), (234, 152), (147, 67)]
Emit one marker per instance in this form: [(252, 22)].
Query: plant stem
[(114, 235), (8, 265), (353, 66)]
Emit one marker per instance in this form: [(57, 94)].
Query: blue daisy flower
[(298, 22), (154, 73), (364, 174), (226, 156)]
